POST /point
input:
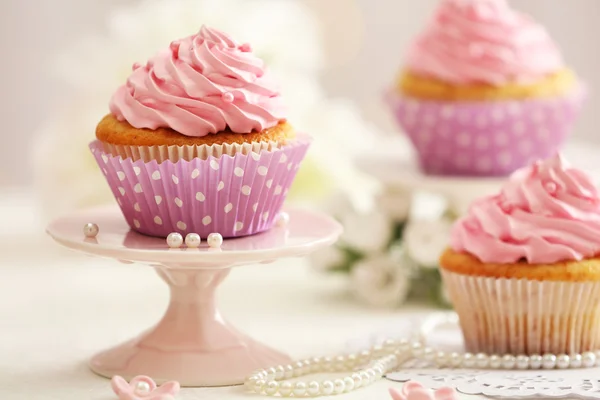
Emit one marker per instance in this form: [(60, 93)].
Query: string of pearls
[(366, 367)]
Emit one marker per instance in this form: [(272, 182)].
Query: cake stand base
[(192, 344)]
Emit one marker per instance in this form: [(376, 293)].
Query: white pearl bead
[(495, 361), (283, 219), (441, 359), (339, 386), (192, 240), (249, 384), (378, 369), (403, 345), (351, 361), (299, 389), (389, 345), (508, 361), (366, 379), (349, 382), (298, 367), (468, 360), (174, 240), (279, 372), (142, 387), (272, 388), (271, 374), (455, 359), (417, 350), (377, 350), (315, 364), (307, 367), (327, 387), (339, 363), (576, 361), (563, 361), (535, 361), (549, 361), (364, 356), (482, 360), (313, 388), (285, 388), (328, 364), (597, 354), (522, 362), (357, 380), (372, 375), (214, 240), (289, 372), (90, 230), (259, 385), (589, 359), (428, 354)]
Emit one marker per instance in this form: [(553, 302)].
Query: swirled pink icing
[(483, 41), (202, 84), (545, 213)]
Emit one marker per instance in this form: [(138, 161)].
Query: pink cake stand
[(192, 343)]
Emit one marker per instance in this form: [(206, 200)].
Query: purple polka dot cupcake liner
[(235, 195), (485, 138)]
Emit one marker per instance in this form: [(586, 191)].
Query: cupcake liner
[(518, 316), (176, 153), (234, 195), (485, 138)]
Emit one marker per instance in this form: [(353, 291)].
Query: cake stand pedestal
[(192, 343)]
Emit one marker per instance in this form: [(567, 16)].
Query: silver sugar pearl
[(214, 240), (90, 230), (535, 361), (549, 361), (283, 219), (495, 361), (522, 362), (142, 388), (482, 360), (508, 361), (576, 361), (589, 359), (192, 240), (563, 361), (174, 240), (468, 360)]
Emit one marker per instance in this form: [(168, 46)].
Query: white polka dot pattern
[(485, 139), (235, 196)]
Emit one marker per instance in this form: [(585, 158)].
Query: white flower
[(396, 203), (328, 258), (425, 240), (366, 232), (284, 33), (381, 281)]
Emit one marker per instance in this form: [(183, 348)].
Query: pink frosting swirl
[(546, 213), (203, 84), (483, 41)]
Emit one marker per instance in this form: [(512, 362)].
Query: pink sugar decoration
[(135, 66), (228, 97), (246, 48), (143, 388), (415, 391), (551, 187)]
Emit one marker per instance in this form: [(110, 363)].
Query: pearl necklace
[(368, 366)]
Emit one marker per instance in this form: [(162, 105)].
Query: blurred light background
[(363, 41)]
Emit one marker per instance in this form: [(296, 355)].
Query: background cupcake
[(484, 91), (197, 141), (522, 271)]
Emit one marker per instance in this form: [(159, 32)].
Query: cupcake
[(484, 91), (197, 141), (523, 268)]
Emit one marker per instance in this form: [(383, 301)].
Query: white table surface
[(57, 308)]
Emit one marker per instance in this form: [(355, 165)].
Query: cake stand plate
[(192, 343)]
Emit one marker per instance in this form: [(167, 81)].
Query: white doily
[(563, 384)]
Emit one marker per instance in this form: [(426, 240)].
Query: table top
[(57, 308)]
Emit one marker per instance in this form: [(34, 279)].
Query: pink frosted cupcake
[(197, 141), (484, 91), (523, 269)]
